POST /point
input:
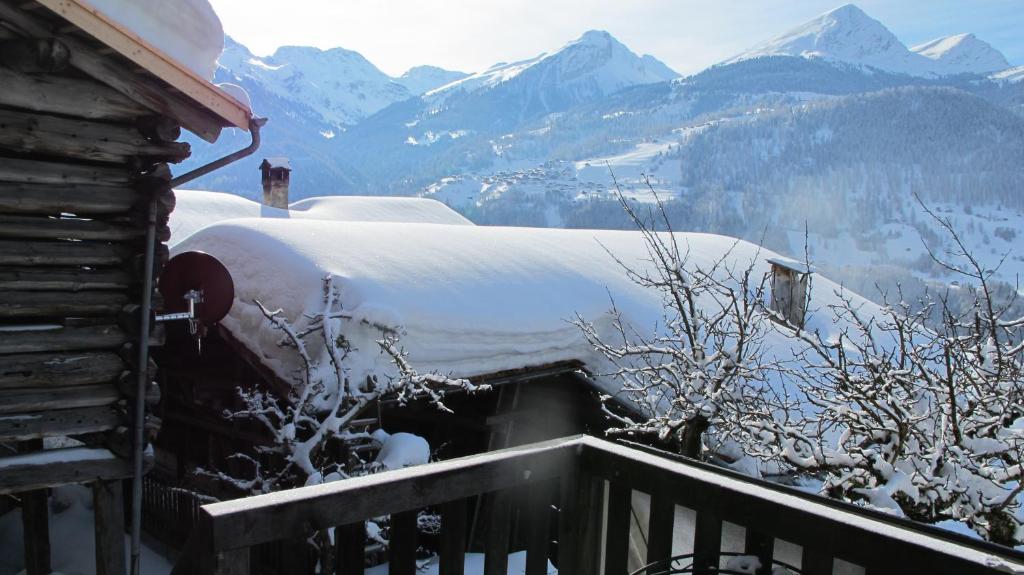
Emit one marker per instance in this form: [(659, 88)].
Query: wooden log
[(63, 279), (34, 339), (44, 399), (42, 172), (33, 132), (59, 370), (50, 199), (38, 304), (159, 128), (81, 98), (113, 72), (108, 515), (38, 228), (34, 55), (61, 467), (62, 422), (42, 253)]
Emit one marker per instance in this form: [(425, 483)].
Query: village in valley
[(579, 313)]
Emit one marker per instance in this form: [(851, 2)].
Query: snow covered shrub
[(321, 404), (691, 375), (923, 421)]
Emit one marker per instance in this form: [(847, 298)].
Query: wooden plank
[(497, 535), (43, 253), (707, 541), (38, 228), (108, 515), (659, 531), (402, 544), (238, 523), (350, 548), (29, 400), (113, 73), (616, 559), (35, 133), (42, 172), (62, 422), (538, 528), (59, 369), (181, 79), (66, 279), (232, 562), (35, 524), (814, 561), (55, 199), (23, 304), (20, 477), (32, 340), (453, 537), (762, 546), (82, 98)]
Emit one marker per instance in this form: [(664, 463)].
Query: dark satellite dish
[(201, 278)]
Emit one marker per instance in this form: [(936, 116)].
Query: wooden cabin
[(90, 117)]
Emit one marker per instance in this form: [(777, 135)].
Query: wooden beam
[(24, 304), (118, 76), (36, 133), (59, 369), (38, 228), (43, 253), (34, 56), (56, 467), (35, 522), (63, 279), (28, 400), (80, 98), (108, 515), (34, 339), (43, 172), (55, 199), (62, 422)]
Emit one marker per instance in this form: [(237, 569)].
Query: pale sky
[(688, 35)]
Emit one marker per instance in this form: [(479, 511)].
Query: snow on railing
[(588, 485)]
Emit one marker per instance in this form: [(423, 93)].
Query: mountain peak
[(420, 79), (963, 54)]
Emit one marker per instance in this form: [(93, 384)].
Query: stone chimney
[(276, 172), (789, 290)]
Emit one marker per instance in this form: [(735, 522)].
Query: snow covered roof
[(469, 300), (195, 210), (177, 41)]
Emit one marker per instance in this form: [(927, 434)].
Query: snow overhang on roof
[(277, 162), (790, 264), (86, 17)]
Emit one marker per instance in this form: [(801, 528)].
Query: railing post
[(496, 541), (232, 562), (659, 527), (453, 537), (616, 557), (538, 527), (402, 548), (707, 542), (579, 522), (350, 548), (762, 546)]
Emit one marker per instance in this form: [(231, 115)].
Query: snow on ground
[(187, 30), (469, 300), (72, 547), (474, 565), (197, 209), (400, 450)]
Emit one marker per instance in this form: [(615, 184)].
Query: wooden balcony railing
[(595, 481)]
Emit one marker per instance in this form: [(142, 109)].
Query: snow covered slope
[(594, 62), (340, 85), (420, 79), (846, 34), (197, 209), (1009, 75), (962, 54)]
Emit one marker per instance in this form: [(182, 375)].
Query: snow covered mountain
[(421, 79), (848, 35), (342, 86), (594, 63), (963, 54)]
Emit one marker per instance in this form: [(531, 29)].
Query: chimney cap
[(276, 162)]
